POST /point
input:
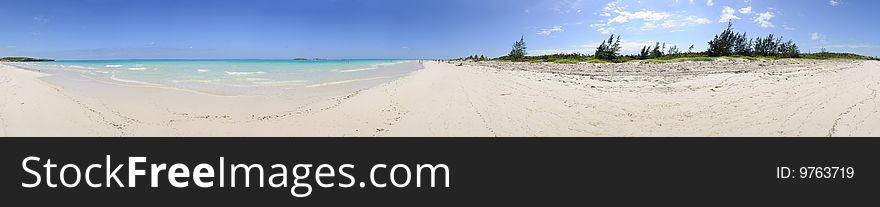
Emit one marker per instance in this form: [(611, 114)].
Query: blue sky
[(186, 29)]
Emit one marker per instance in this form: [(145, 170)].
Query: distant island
[(23, 59), (308, 59)]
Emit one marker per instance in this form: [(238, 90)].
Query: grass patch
[(597, 61), (679, 57), (565, 61), (695, 59)]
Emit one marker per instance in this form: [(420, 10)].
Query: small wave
[(137, 68), (387, 64), (203, 70), (76, 66), (343, 82), (256, 79), (196, 81), (281, 83), (113, 66), (355, 70), (244, 73), (133, 81)]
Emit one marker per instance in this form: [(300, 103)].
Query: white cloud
[(618, 15), (816, 36), (763, 19), (710, 3), (625, 16), (677, 22), (626, 47), (691, 1), (633, 47), (611, 7), (603, 28), (728, 14), (833, 2), (786, 27), (745, 10), (545, 32), (40, 20), (586, 51)]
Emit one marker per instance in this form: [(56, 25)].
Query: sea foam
[(243, 73), (355, 70)]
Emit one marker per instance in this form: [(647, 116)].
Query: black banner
[(491, 172)]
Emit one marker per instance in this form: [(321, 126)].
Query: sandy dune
[(720, 98)]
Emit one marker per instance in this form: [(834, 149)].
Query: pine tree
[(643, 54), (657, 52), (614, 49), (789, 50), (768, 46), (609, 50), (673, 50), (759, 47), (722, 44), (600, 51), (741, 45), (519, 49)]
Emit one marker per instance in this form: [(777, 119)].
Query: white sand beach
[(716, 98)]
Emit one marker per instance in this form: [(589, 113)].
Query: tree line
[(734, 43), (727, 43)]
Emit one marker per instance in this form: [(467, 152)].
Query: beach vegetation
[(722, 44), (657, 52), (728, 44), (609, 50), (644, 53), (673, 50), (682, 59), (519, 49), (475, 58), (568, 61), (835, 56)]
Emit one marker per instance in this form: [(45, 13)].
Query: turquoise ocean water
[(233, 75)]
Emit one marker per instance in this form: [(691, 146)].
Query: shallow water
[(232, 77)]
